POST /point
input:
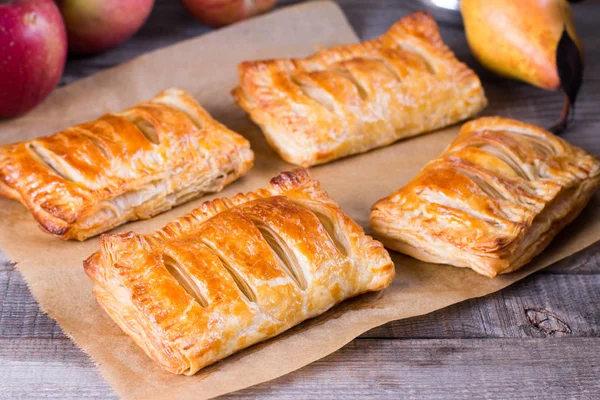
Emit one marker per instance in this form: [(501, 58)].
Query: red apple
[(217, 13), (33, 49), (94, 26)]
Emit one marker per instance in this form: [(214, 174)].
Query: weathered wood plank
[(542, 305), (408, 369), (565, 292), (48, 369), (441, 369), (585, 262), (20, 315)]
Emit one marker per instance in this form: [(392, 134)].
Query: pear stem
[(561, 125)]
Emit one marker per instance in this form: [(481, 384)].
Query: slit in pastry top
[(234, 272), (123, 166), (239, 279), (285, 256), (185, 279), (353, 98), (492, 200), (147, 129), (49, 161)]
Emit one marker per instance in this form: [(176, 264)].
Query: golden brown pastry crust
[(350, 99), (254, 265), (492, 200), (124, 166)]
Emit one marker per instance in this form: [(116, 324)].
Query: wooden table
[(539, 338)]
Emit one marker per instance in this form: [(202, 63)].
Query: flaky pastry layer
[(121, 167), (350, 99), (235, 271), (492, 200)]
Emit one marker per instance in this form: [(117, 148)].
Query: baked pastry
[(492, 200), (350, 99), (124, 166), (234, 272)]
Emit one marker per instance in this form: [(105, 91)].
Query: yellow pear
[(519, 38)]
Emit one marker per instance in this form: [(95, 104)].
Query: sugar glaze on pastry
[(353, 98), (121, 167), (492, 201), (235, 271)]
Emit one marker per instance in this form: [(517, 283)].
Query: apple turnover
[(234, 272), (492, 200), (124, 166), (350, 99)]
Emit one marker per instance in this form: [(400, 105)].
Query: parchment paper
[(206, 66)]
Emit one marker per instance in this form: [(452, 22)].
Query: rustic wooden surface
[(539, 338)]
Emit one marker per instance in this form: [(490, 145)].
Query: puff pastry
[(492, 201), (122, 167), (234, 272), (350, 99)]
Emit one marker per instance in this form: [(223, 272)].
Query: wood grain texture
[(375, 368), (568, 297), (539, 338)]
